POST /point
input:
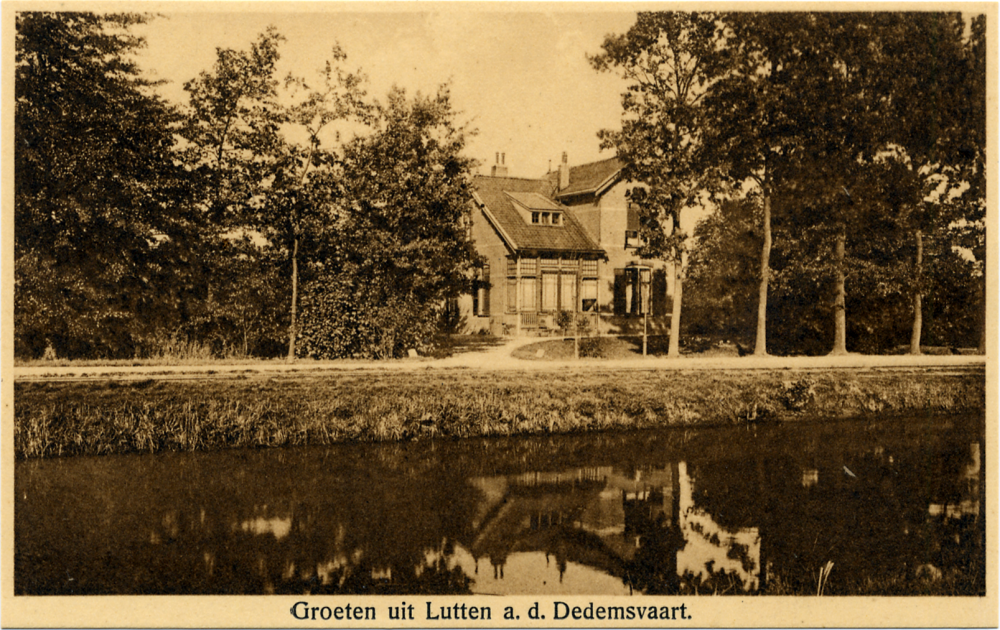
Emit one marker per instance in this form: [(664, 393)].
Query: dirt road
[(494, 358)]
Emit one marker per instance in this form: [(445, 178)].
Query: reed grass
[(108, 416)]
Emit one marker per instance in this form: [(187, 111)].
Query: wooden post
[(517, 295), (645, 331), (576, 313)]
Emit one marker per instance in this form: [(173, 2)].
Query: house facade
[(564, 242)]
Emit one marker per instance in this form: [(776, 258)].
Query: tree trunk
[(981, 289), (918, 315), (981, 314), (295, 300), (673, 350), (839, 306), (760, 346)]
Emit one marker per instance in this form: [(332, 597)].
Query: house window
[(481, 292), (556, 218), (632, 238), (550, 294), (467, 226), (511, 297), (567, 292), (535, 217), (588, 285), (529, 289), (510, 294), (588, 294), (632, 291), (529, 266)]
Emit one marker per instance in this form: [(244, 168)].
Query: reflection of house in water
[(640, 526)]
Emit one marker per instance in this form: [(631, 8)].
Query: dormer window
[(546, 218), (536, 209)]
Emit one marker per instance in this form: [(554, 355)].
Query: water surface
[(895, 505)]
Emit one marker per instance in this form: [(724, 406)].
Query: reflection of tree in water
[(892, 516), (434, 577), (295, 526), (884, 513), (653, 568)]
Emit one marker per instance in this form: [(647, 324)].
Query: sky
[(521, 79)]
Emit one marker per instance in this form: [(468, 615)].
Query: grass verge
[(111, 417), (630, 347)]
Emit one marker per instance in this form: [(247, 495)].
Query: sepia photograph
[(499, 314)]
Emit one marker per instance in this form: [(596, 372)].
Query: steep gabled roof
[(498, 194), (591, 178)]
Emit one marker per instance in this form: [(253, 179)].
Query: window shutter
[(636, 289), (619, 299), (486, 290), (659, 293)]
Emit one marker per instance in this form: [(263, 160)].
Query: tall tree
[(881, 130), (258, 148), (231, 131), (305, 188), (95, 185), (723, 273), (670, 60), (972, 146), (754, 130), (916, 95), (403, 248)]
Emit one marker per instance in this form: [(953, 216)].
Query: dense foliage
[(851, 144), (146, 229), (843, 156), (402, 248), (95, 188)]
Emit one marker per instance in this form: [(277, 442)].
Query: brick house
[(562, 242)]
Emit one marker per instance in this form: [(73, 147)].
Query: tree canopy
[(403, 248), (841, 158), (96, 185), (856, 130)]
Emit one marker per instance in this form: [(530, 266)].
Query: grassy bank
[(630, 347), (104, 417)]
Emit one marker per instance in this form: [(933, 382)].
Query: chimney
[(564, 172), (500, 169)]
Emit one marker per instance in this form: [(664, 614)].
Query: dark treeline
[(843, 153), (235, 224)]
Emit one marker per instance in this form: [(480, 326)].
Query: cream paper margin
[(274, 611)]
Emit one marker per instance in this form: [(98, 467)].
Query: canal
[(890, 506)]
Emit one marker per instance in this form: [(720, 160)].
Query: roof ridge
[(529, 179), (613, 157)]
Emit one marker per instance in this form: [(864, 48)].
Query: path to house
[(493, 358)]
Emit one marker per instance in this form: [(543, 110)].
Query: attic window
[(547, 218)]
